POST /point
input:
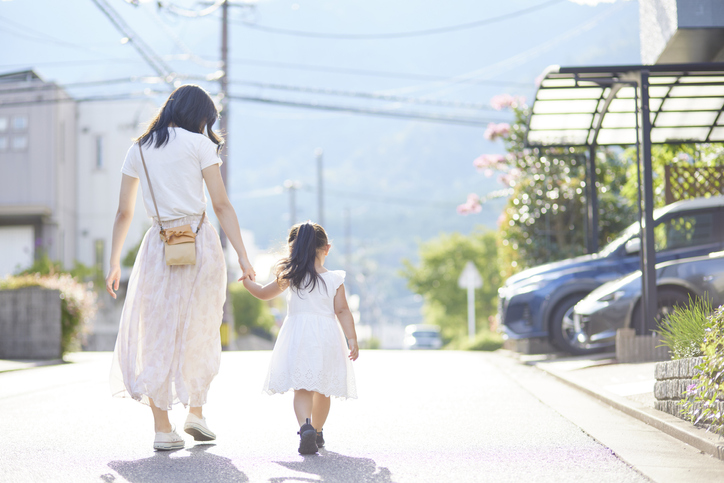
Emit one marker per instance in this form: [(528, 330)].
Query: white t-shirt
[(175, 171)]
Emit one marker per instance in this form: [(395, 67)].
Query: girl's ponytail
[(298, 268)]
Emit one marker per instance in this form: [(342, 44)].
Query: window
[(20, 143), (3, 143), (20, 123), (685, 231), (100, 248), (3, 124), (99, 152)]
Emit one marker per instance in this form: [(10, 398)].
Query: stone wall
[(672, 379), (30, 323)]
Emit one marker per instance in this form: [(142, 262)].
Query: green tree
[(436, 275), (545, 216), (250, 313)]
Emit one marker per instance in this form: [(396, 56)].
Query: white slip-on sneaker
[(197, 428), (168, 441)]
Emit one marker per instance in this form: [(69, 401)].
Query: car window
[(685, 231), (425, 334)]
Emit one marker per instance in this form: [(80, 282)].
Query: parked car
[(538, 302), (422, 336), (617, 304)]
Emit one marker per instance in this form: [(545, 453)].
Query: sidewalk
[(17, 365), (628, 388)]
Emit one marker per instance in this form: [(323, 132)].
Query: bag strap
[(153, 197)]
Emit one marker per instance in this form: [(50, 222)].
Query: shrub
[(77, 302), (485, 340), (682, 331), (703, 401), (250, 313)]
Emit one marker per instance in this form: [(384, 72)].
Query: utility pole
[(224, 80), (320, 186), (292, 187), (347, 240)]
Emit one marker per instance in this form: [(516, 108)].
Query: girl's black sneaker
[(307, 439), (320, 439)]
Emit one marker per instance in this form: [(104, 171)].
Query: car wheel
[(667, 300), (565, 335)]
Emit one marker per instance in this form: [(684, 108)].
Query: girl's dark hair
[(298, 268), (189, 107)]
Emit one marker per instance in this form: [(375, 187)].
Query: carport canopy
[(588, 106), (629, 105)]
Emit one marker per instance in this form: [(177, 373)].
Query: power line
[(153, 60), (365, 95), (396, 35), (377, 73), (114, 97), (470, 121)]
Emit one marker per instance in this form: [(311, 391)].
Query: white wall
[(105, 133), (17, 248)]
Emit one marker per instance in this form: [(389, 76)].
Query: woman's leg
[(196, 411), (320, 410), (161, 423), (303, 402)]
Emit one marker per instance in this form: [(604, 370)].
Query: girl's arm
[(266, 292), (124, 216), (346, 321), (227, 217)]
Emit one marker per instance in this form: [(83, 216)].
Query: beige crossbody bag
[(180, 241)]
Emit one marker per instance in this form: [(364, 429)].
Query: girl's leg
[(303, 401), (320, 410), (160, 419)]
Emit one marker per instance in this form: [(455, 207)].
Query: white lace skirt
[(168, 345), (311, 353)]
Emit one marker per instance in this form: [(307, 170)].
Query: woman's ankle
[(196, 412), (164, 427)]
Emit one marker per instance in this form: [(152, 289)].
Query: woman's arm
[(227, 217), (124, 216), (266, 292), (346, 321)]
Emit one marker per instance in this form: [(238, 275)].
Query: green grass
[(683, 330)]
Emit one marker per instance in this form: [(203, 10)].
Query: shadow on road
[(199, 466), (336, 468)]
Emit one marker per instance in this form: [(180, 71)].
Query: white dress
[(311, 350)]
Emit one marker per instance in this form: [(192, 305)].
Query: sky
[(399, 179)]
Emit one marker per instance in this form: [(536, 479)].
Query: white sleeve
[(338, 278), (208, 153), (128, 167)]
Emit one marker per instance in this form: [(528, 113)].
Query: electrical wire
[(375, 73), (397, 35), (470, 121), (188, 13), (114, 97)]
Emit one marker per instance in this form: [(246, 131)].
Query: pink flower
[(495, 131), (489, 161), (506, 101), (472, 205)]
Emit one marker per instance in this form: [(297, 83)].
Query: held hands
[(247, 271), (353, 349), (113, 279)]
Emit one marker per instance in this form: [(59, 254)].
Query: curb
[(11, 365), (678, 428)]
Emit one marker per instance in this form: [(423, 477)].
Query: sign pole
[(470, 279)]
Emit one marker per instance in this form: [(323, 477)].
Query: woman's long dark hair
[(305, 239), (188, 107)]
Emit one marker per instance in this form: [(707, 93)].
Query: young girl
[(310, 352), (168, 347)]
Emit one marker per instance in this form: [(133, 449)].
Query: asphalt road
[(421, 416)]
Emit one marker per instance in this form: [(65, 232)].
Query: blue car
[(538, 303)]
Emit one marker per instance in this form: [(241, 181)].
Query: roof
[(584, 106), (21, 76)]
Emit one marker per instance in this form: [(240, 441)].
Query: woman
[(168, 347)]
